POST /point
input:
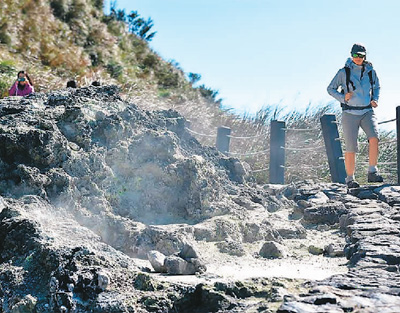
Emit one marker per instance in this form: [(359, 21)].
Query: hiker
[(23, 85), (356, 87), (71, 84)]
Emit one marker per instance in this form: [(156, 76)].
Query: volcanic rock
[(92, 188)]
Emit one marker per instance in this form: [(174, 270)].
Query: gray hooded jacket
[(362, 91)]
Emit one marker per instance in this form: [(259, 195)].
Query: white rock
[(157, 259), (103, 280)]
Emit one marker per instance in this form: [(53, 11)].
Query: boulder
[(272, 250), (186, 262), (231, 247), (188, 252), (175, 265), (328, 213), (157, 260), (103, 280), (334, 250)]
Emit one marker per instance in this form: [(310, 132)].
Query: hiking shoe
[(374, 178), (352, 184)]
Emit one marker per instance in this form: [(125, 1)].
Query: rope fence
[(278, 147), (301, 129), (250, 137), (388, 121), (302, 149), (250, 153), (199, 134)]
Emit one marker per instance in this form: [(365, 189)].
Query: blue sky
[(264, 52)]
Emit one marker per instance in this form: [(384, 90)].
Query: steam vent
[(105, 207)]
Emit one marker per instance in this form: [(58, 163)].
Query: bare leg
[(373, 176), (373, 151), (350, 163)]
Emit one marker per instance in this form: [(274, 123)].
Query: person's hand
[(348, 96), (374, 104)]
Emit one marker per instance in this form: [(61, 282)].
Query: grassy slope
[(59, 40)]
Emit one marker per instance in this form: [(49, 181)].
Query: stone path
[(372, 229)]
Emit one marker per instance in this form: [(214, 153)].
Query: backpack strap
[(362, 71), (371, 82), (348, 81)]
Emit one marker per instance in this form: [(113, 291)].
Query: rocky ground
[(108, 208)]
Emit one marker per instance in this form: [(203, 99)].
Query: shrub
[(139, 47), (115, 70), (150, 61), (76, 11), (98, 4), (167, 79), (194, 78), (4, 87), (140, 26), (7, 72), (208, 93), (60, 9), (164, 93), (95, 58), (4, 37), (7, 67)]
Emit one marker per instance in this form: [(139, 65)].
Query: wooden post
[(398, 142), (333, 148), (277, 153), (223, 139)]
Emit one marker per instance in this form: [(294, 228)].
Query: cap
[(358, 48)]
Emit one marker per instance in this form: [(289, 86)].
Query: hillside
[(59, 40)]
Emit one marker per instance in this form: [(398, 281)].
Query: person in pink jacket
[(23, 85)]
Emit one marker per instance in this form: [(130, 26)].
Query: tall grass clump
[(7, 76)]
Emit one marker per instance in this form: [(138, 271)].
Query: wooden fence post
[(223, 139), (333, 148), (398, 142), (277, 153)]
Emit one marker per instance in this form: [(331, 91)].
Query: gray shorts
[(351, 123)]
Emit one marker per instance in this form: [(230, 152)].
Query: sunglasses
[(356, 55)]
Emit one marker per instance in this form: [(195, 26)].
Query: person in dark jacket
[(23, 86), (356, 87)]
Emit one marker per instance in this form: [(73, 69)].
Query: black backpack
[(348, 82)]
